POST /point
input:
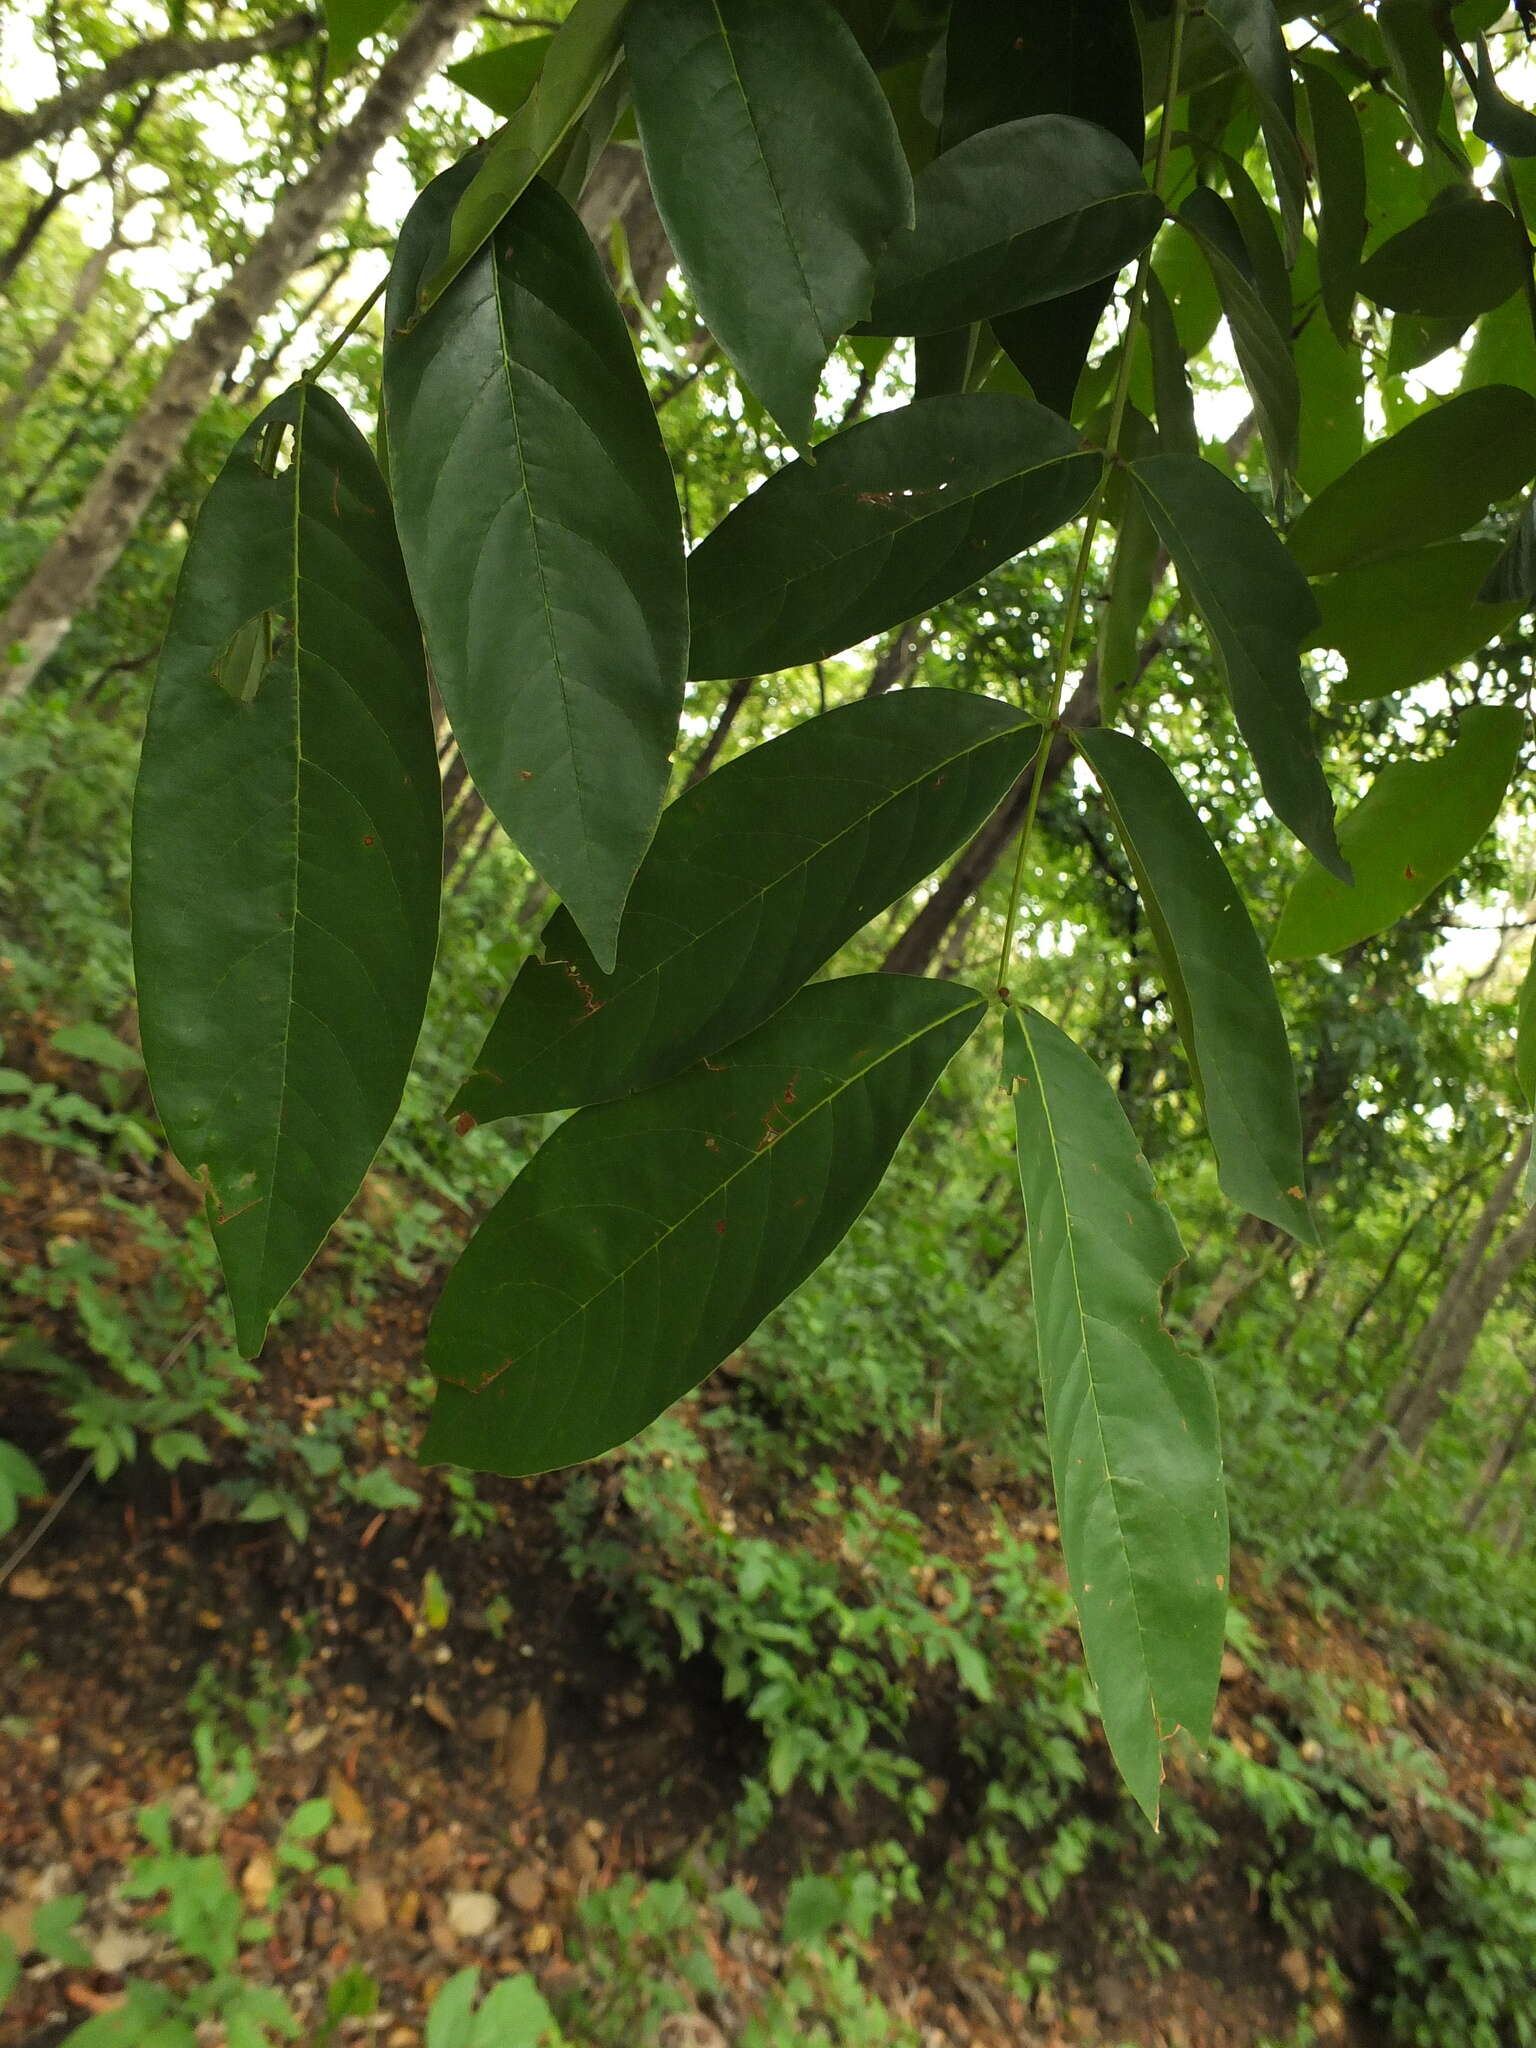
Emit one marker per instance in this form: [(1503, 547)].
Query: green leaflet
[(503, 78), (1339, 151), (1508, 128), (1332, 378), (1175, 401), (1042, 57), (540, 526), (1417, 822), (1218, 981), (778, 174), (649, 1237), (579, 58), (1525, 1036), (1252, 28), (1463, 258), (1134, 1439), (287, 845), (1263, 349), (348, 25), (1010, 217), (1258, 611), (894, 515), (1431, 481), (755, 879), (1417, 56), (1398, 621)]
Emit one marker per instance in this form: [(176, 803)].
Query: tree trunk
[(50, 351), (50, 201), (1472, 1309), (619, 192), (1499, 1460), (144, 63), (1236, 1276), (246, 390), (1432, 1369), (69, 574), (894, 666)]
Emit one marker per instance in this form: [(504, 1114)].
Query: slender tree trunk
[(1383, 1280), (69, 574), (720, 732), (84, 409), (897, 659), (1499, 1460), (618, 193), (1473, 1307), (50, 351), (1398, 1329), (144, 63), (1423, 1385), (1236, 1277)]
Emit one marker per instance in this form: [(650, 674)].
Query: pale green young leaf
[(1415, 825), (1430, 481)]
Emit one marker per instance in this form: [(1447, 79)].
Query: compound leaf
[(1218, 981), (540, 525), (778, 175), (895, 514), (1417, 823), (1131, 1421), (1258, 610), (755, 878), (287, 846), (649, 1237)]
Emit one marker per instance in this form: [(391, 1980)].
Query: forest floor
[(490, 1758)]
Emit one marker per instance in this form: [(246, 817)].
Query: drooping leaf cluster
[(1053, 207)]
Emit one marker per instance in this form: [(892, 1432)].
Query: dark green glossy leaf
[(348, 25), (895, 514), (757, 876), (540, 524), (504, 77), (1218, 982), (1013, 216), (1431, 481), (1258, 610), (1042, 57), (580, 56), (1252, 28), (1512, 578), (1508, 128), (1416, 824), (1417, 57), (1341, 187), (287, 846), (1398, 621), (1046, 57), (778, 174), (1263, 349), (649, 1237), (1461, 259), (1131, 1420)]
